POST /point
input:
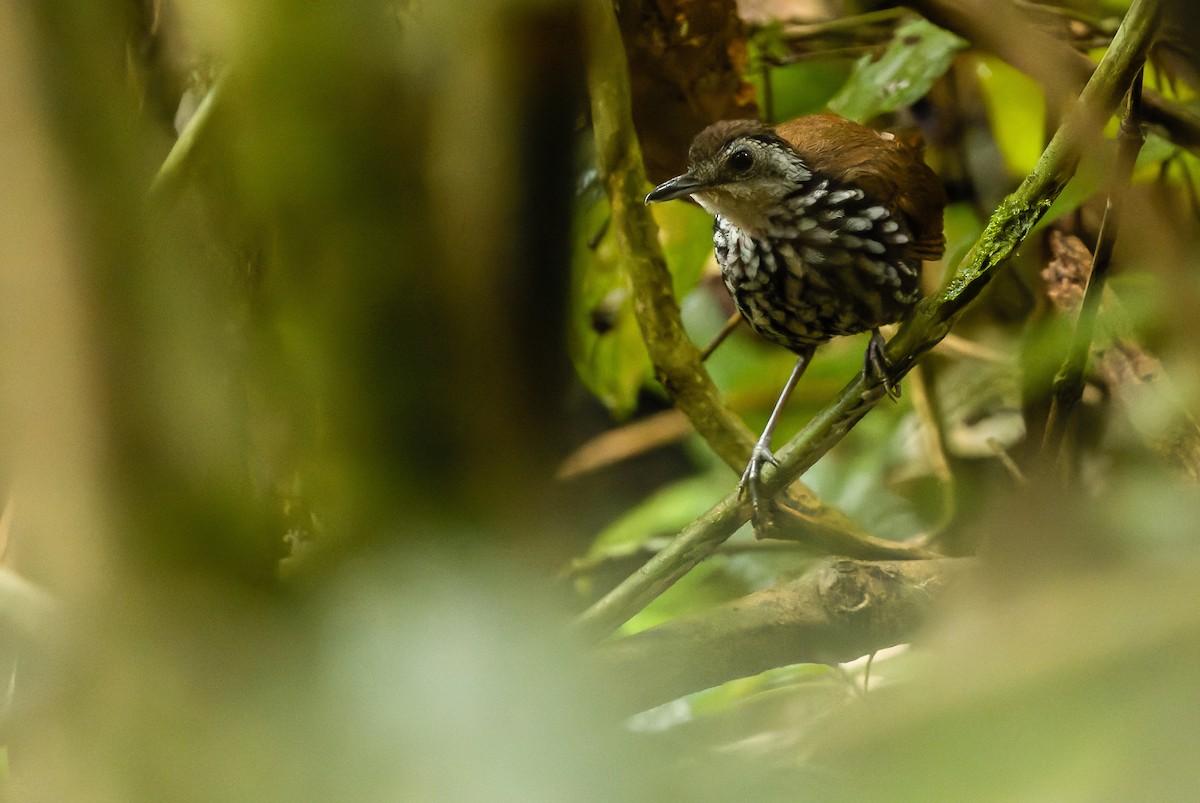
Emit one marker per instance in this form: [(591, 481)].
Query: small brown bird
[(821, 226)]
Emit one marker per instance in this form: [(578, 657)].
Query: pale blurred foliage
[(50, 407), (165, 367), (351, 269), (426, 676)]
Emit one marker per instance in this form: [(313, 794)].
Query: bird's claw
[(877, 366), (751, 485)]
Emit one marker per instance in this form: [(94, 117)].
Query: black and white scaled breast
[(827, 261)]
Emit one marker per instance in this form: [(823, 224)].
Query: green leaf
[(963, 227), (1153, 154), (663, 512), (604, 341), (919, 53), (704, 586), (685, 233)]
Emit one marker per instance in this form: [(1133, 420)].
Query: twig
[(623, 443), (727, 329), (598, 564), (1136, 380), (931, 321), (1006, 460), (1105, 26), (170, 176), (933, 444), (789, 524), (851, 51), (850, 25), (1132, 375), (962, 347), (1068, 384)]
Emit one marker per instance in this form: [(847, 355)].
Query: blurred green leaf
[(685, 232), (664, 512), (605, 342), (1155, 151), (603, 337), (855, 478), (919, 54), (766, 45), (963, 226), (739, 706), (704, 586), (1016, 110)]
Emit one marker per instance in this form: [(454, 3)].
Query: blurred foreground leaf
[(663, 513), (603, 337)]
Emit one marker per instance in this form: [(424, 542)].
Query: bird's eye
[(740, 161)]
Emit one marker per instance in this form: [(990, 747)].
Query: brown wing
[(883, 166)]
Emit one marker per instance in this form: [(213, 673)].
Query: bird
[(820, 230)]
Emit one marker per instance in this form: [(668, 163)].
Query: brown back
[(887, 169)]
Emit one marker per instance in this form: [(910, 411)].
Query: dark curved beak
[(674, 188)]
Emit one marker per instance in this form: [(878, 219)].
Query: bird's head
[(739, 169)]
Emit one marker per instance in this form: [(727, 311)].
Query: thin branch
[(1180, 125), (623, 443), (735, 320), (931, 321), (849, 25), (171, 174), (1068, 384), (1006, 460), (1105, 26), (840, 37), (790, 524), (1131, 374), (1136, 379), (934, 445)]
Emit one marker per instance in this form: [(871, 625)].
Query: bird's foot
[(751, 486), (877, 366)]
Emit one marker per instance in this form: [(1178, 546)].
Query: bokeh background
[(325, 410)]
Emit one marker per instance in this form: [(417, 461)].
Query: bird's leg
[(751, 482), (876, 365)]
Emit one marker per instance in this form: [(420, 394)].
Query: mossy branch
[(1006, 230)]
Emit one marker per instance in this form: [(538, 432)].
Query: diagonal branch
[(932, 320), (1068, 384)]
